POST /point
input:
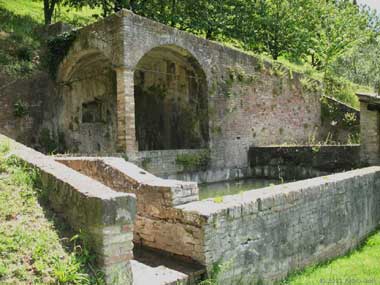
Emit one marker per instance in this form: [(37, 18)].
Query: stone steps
[(169, 266), (146, 275)]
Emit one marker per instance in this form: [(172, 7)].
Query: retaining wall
[(104, 216), (300, 162), (263, 235)]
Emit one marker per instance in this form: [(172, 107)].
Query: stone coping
[(73, 178), (305, 146), (132, 171), (368, 97), (265, 197)]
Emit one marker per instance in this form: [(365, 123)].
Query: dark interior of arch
[(170, 101), (88, 116)]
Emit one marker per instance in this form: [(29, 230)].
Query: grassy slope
[(34, 9), (21, 23), (359, 267), (34, 247)]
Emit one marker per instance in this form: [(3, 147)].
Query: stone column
[(369, 129), (126, 130)]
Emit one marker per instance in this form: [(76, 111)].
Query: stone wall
[(88, 120), (263, 235), (105, 217), (300, 162), (259, 236), (156, 197), (23, 107)]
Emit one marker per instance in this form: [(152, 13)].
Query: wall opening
[(171, 106), (88, 116)]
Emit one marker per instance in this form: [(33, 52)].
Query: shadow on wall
[(170, 100), (88, 118)]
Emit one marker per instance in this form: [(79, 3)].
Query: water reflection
[(212, 190)]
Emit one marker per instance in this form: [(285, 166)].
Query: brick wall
[(370, 129)]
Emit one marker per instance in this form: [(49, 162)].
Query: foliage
[(35, 247), (360, 265), (194, 162), (58, 48), (47, 142), (218, 199), (217, 269), (20, 109), (341, 25), (34, 10), (361, 64), (19, 44)]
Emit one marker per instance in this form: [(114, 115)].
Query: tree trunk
[(49, 6), (173, 13)]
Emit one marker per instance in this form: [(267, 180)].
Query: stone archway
[(170, 95), (88, 117)]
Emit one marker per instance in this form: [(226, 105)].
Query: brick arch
[(87, 118), (176, 116), (74, 59), (169, 44)]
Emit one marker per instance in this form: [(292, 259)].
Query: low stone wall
[(259, 236), (300, 162), (156, 199), (104, 216), (164, 163), (263, 235)]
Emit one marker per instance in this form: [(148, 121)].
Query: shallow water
[(212, 190)]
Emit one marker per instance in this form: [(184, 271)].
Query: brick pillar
[(369, 135), (126, 130)]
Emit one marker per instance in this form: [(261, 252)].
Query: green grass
[(360, 266), (34, 10), (35, 246), (21, 33)]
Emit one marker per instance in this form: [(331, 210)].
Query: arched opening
[(88, 119), (171, 108)]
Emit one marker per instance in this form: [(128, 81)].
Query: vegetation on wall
[(58, 47), (194, 162), (20, 109)]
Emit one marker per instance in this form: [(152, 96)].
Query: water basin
[(218, 189)]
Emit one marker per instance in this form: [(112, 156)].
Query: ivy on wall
[(194, 162), (57, 49)]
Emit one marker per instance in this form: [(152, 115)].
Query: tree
[(276, 27), (341, 27), (49, 7)]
